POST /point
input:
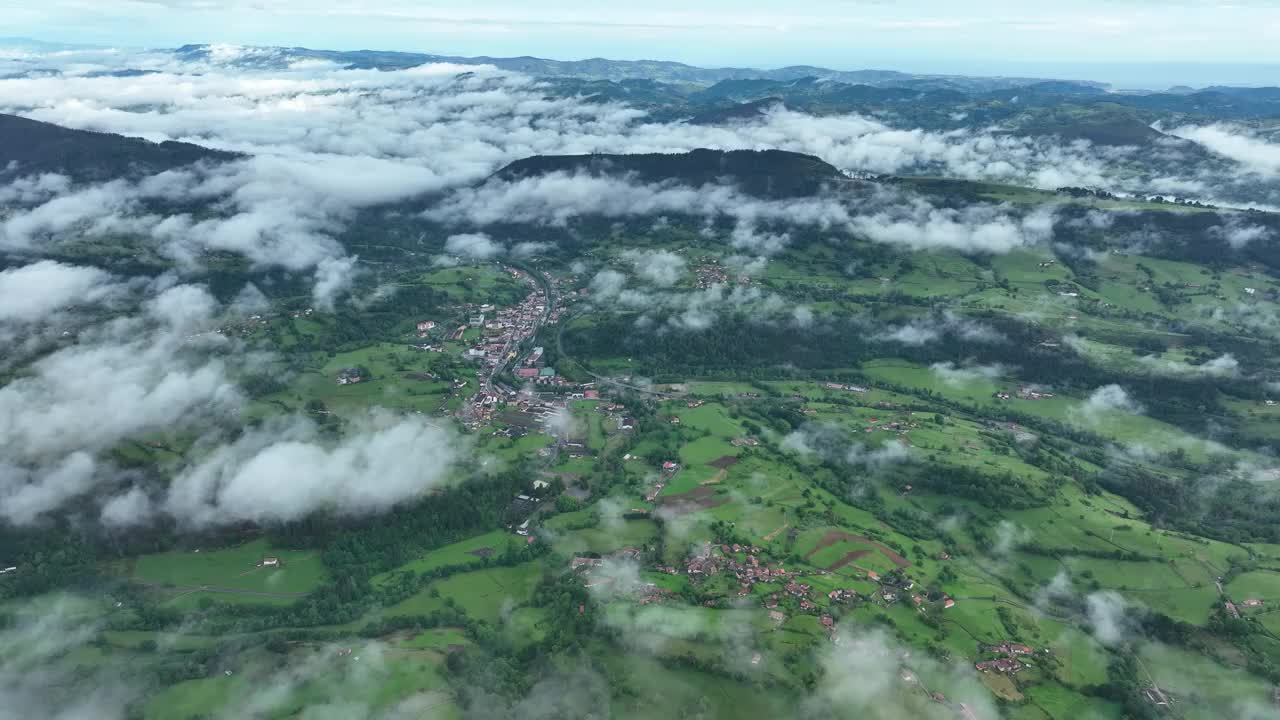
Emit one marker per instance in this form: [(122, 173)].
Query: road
[(548, 305), (468, 411)]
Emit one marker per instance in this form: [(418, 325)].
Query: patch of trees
[(363, 547), (996, 490), (1186, 236), (48, 557), (1233, 510)]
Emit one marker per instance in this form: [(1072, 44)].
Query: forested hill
[(770, 173), (29, 147)]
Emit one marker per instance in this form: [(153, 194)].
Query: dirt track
[(836, 536), (848, 558), (183, 589), (700, 498)]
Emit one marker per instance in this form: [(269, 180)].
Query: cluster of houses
[(534, 369), (747, 571), (800, 591), (520, 511), (349, 376), (892, 584), (1008, 663), (614, 412), (643, 593), (669, 470), (1233, 609), (847, 388), (248, 326), (1156, 696), (503, 331), (1024, 393), (895, 585), (710, 274), (1005, 665), (842, 596), (899, 427)]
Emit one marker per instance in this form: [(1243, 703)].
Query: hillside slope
[(31, 147), (768, 173)]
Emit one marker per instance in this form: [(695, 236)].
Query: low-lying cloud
[(163, 372), (32, 293), (284, 471)]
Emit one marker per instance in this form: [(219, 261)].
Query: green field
[(483, 594), (833, 405), (238, 569), (493, 544), (370, 679), (1260, 584)]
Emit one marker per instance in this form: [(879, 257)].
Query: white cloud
[(34, 292), (958, 375), (529, 249), (1224, 365), (284, 471), (472, 246), (1107, 616), (122, 379), (35, 678), (890, 453), (923, 331), (660, 267), (334, 275), (869, 674), (1238, 234), (1106, 400), (1258, 155)]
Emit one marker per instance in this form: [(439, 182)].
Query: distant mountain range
[(31, 147), (602, 69), (710, 95)]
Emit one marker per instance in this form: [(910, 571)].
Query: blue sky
[(1125, 41)]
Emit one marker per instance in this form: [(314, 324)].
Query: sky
[(1127, 42)]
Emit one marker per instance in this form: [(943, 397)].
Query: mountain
[(32, 147), (1111, 132), (767, 173), (736, 113), (592, 68), (928, 100)]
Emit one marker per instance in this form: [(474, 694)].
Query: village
[(744, 565), (501, 334)]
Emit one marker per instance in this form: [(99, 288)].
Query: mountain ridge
[(30, 147), (766, 173)]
